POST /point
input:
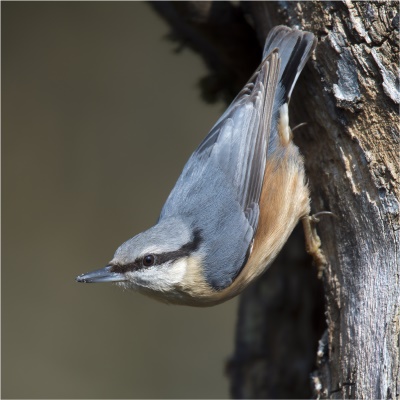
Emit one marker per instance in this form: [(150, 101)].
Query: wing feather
[(238, 142)]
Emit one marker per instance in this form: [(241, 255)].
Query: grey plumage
[(227, 169), (294, 50), (226, 173), (213, 211)]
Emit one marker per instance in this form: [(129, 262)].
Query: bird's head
[(157, 262)]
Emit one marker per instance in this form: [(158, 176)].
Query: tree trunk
[(348, 94), (350, 97)]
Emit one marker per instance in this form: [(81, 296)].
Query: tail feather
[(294, 48)]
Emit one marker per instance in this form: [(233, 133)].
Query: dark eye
[(148, 260)]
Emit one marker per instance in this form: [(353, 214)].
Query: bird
[(237, 200)]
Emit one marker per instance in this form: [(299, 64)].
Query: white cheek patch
[(160, 278)]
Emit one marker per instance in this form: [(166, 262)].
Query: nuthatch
[(237, 200)]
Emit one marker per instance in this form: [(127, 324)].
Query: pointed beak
[(101, 275)]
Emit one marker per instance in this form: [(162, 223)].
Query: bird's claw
[(313, 242)]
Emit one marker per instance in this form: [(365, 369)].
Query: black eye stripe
[(121, 269), (185, 251)]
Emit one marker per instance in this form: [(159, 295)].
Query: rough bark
[(349, 95)]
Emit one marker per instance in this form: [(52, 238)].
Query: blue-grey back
[(220, 186), (205, 200), (219, 189)]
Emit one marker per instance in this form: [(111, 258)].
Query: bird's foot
[(313, 242)]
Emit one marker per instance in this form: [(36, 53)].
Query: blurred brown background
[(99, 117)]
